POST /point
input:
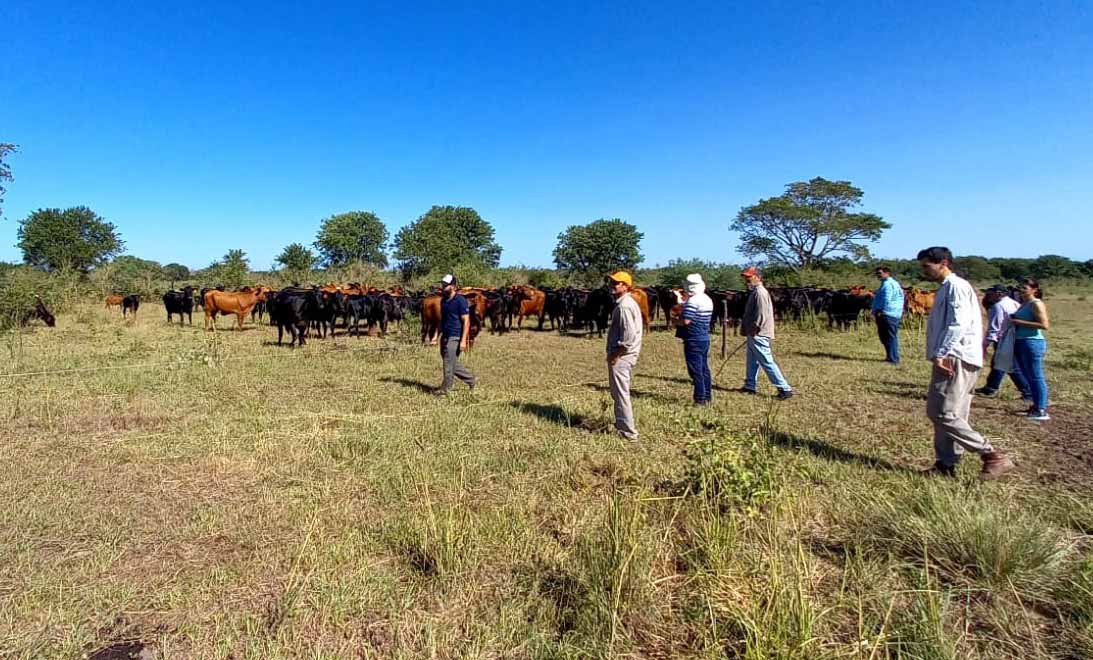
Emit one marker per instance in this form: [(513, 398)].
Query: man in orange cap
[(623, 347), (757, 325)]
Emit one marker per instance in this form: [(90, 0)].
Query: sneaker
[(983, 391), (1038, 416), (1026, 413), (744, 390), (995, 464), (939, 469), (785, 394)]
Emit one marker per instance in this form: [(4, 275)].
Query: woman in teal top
[(1029, 347)]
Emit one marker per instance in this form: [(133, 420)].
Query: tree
[(297, 261), (978, 269), (1013, 268), (5, 170), (598, 248), (807, 225), (75, 238), (444, 237), (353, 236), (1053, 265), (231, 271), (129, 274), (176, 271)]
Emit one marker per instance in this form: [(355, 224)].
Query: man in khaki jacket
[(757, 325), (623, 347)]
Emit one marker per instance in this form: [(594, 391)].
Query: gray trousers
[(948, 404), (449, 352), (619, 376)]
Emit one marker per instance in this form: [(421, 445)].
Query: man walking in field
[(694, 330), (623, 347), (954, 345), (455, 329), (888, 311), (757, 325)]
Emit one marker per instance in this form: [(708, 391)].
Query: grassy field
[(212, 496)]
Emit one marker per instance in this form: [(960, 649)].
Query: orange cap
[(622, 276), (750, 271)]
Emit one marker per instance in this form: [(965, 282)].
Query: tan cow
[(232, 302), (114, 301)]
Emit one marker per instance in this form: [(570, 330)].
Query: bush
[(59, 290)]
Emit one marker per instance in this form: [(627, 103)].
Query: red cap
[(751, 271)]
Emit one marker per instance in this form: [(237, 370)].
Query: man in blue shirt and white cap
[(888, 311), (455, 325)]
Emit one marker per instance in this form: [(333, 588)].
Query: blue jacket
[(889, 299)]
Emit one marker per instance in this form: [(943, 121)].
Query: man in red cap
[(758, 326)]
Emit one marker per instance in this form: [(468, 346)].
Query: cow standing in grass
[(236, 302), (130, 303), (181, 303)]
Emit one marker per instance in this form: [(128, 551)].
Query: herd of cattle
[(320, 310)]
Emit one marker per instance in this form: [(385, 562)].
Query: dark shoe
[(983, 391), (744, 390), (1026, 413), (1038, 416), (440, 391), (995, 464), (785, 394), (702, 404), (940, 470)]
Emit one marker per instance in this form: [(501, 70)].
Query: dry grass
[(215, 497)]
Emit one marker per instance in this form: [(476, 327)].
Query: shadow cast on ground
[(835, 356), (413, 384), (825, 450), (553, 412)]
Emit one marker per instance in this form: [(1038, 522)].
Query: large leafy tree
[(297, 261), (810, 223), (232, 271), (176, 271), (353, 236), (446, 236), (75, 238), (129, 274), (6, 148), (1053, 265), (598, 248)]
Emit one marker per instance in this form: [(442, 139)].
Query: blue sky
[(200, 127)]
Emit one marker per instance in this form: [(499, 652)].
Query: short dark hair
[(936, 255), (882, 269)]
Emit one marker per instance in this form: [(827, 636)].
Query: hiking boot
[(985, 391), (995, 464), (940, 470), (785, 394)]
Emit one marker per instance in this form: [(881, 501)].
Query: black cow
[(370, 309), (130, 303), (845, 308), (40, 312), (292, 310), (179, 302)]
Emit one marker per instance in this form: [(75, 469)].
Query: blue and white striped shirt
[(698, 310)]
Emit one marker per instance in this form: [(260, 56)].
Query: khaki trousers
[(948, 405), (619, 376)]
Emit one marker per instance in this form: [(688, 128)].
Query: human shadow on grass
[(553, 412), (639, 394), (904, 390), (830, 452), (684, 381), (836, 356), (412, 384)]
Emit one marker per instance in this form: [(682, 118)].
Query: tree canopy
[(232, 271), (598, 248), (297, 261), (353, 236), (5, 170), (446, 236), (809, 223), (176, 271), (75, 238)]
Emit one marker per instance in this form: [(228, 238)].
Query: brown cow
[(532, 303), (234, 302), (114, 301), (917, 301), (642, 300)]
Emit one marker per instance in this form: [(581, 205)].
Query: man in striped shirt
[(695, 331)]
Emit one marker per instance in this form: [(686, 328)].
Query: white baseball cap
[(447, 279)]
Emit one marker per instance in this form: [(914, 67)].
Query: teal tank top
[(1023, 331)]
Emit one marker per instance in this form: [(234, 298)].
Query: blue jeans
[(759, 355), (1028, 353), (698, 368), (888, 330), (996, 376)]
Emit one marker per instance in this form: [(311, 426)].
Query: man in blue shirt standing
[(455, 325), (888, 311)]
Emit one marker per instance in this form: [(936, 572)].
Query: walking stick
[(726, 360)]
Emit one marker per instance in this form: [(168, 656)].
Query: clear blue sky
[(203, 126)]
